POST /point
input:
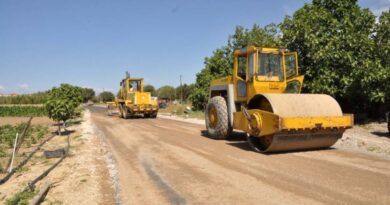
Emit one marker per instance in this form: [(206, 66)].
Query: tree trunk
[(59, 127), (64, 126)]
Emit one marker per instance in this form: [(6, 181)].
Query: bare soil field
[(18, 120), (82, 178)]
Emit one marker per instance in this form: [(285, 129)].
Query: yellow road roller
[(262, 98)]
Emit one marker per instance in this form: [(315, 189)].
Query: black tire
[(153, 115), (126, 113), (120, 111), (219, 128)]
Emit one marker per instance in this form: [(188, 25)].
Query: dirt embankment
[(372, 138)]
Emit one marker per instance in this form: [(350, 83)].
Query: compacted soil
[(163, 161)]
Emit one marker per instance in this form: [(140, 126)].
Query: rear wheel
[(126, 113), (121, 111), (153, 115), (217, 122)]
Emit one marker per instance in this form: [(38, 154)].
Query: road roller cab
[(263, 98)]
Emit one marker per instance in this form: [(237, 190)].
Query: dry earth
[(82, 178), (18, 120), (162, 161)]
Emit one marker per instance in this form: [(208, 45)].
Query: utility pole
[(181, 92)]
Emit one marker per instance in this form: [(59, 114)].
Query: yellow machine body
[(263, 99), (132, 99)]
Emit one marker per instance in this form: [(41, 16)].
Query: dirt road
[(163, 161)]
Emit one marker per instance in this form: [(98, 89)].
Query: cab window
[(270, 67), (241, 71), (290, 64), (135, 85)]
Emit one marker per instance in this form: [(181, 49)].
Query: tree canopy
[(88, 94), (106, 96), (184, 91), (151, 89), (337, 52), (62, 102), (166, 92)]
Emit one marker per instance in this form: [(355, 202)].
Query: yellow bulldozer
[(263, 99), (132, 100)]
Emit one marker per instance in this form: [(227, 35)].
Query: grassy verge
[(182, 111), (22, 111)]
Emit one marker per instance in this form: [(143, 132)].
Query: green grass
[(33, 135), (22, 111), (21, 197), (179, 109), (7, 136), (22, 170)]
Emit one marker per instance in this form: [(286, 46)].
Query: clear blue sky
[(91, 43)]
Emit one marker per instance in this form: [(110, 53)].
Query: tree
[(184, 90), (62, 102), (382, 43), (151, 89), (166, 92), (88, 94), (106, 96), (334, 41), (220, 64)]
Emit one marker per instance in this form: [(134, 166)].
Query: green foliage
[(35, 98), (60, 110), (22, 111), (337, 52), (382, 38), (20, 198), (88, 94), (62, 102), (8, 133), (184, 90), (106, 96), (166, 92), (151, 89), (220, 64), (382, 42)]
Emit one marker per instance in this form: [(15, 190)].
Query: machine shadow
[(236, 139), (381, 134)]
